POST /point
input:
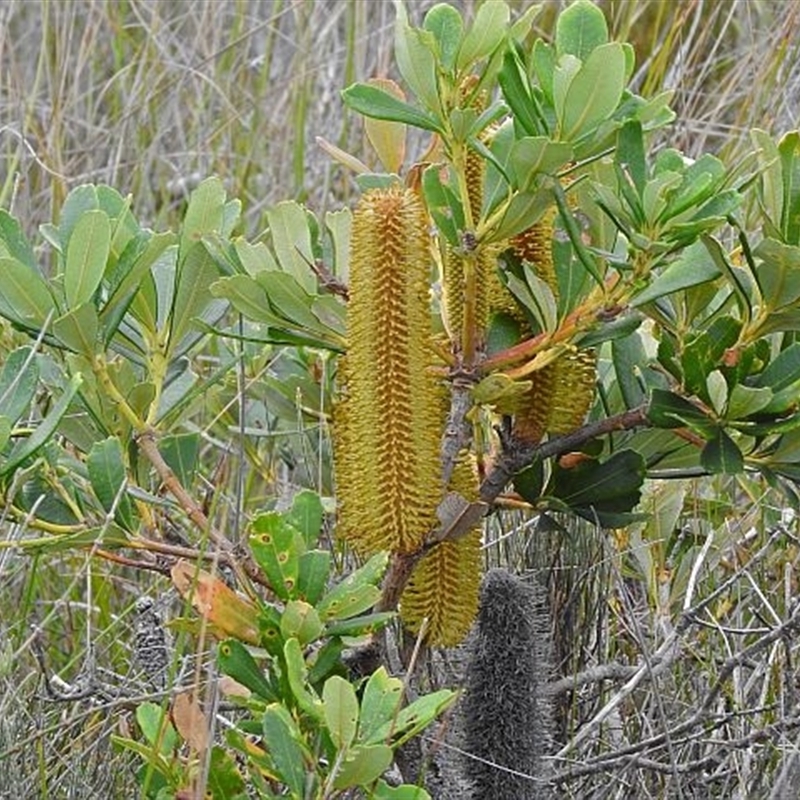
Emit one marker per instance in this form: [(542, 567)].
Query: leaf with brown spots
[(277, 546)]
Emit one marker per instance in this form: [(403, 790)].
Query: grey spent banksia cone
[(506, 717), (150, 643)]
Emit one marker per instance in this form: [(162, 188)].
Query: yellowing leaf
[(230, 614), (388, 138)]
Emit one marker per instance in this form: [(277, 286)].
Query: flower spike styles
[(389, 420)]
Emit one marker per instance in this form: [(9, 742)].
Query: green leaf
[(363, 765), (523, 25), (740, 291), (276, 547), (406, 791), (224, 779), (126, 277), (291, 240), (367, 624), (379, 703), (669, 410), (747, 400), (533, 155), (779, 274), (181, 452), (13, 243), (594, 92), (789, 151), (486, 33), (105, 465), (301, 621), (356, 593), (331, 314), (297, 674), (701, 179), (156, 727), (289, 301), (253, 258), (446, 25), (235, 660), (717, 391), (339, 224), (704, 353), (325, 661), (630, 154), (693, 267), (782, 372), (24, 296), (80, 200), (415, 717), (306, 515), (269, 626), (341, 711), (280, 739), (193, 280), (770, 172), (517, 93), (629, 359), (44, 431), (543, 61), (444, 204), (312, 575), (374, 102), (721, 455), (87, 256), (204, 215), (611, 486), (247, 296), (524, 210), (536, 296), (413, 53), (529, 482), (77, 330), (18, 381), (580, 29)]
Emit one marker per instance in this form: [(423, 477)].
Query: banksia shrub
[(388, 421), (506, 718), (445, 585)]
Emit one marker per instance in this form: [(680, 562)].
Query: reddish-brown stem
[(583, 317)]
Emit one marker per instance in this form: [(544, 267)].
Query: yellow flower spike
[(483, 262), (445, 586), (561, 396), (388, 421), (534, 245), (575, 385)]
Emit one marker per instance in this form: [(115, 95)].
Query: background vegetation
[(151, 98)]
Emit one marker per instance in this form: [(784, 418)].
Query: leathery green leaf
[(341, 711), (362, 765), (24, 296), (87, 256), (18, 381), (44, 431)]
